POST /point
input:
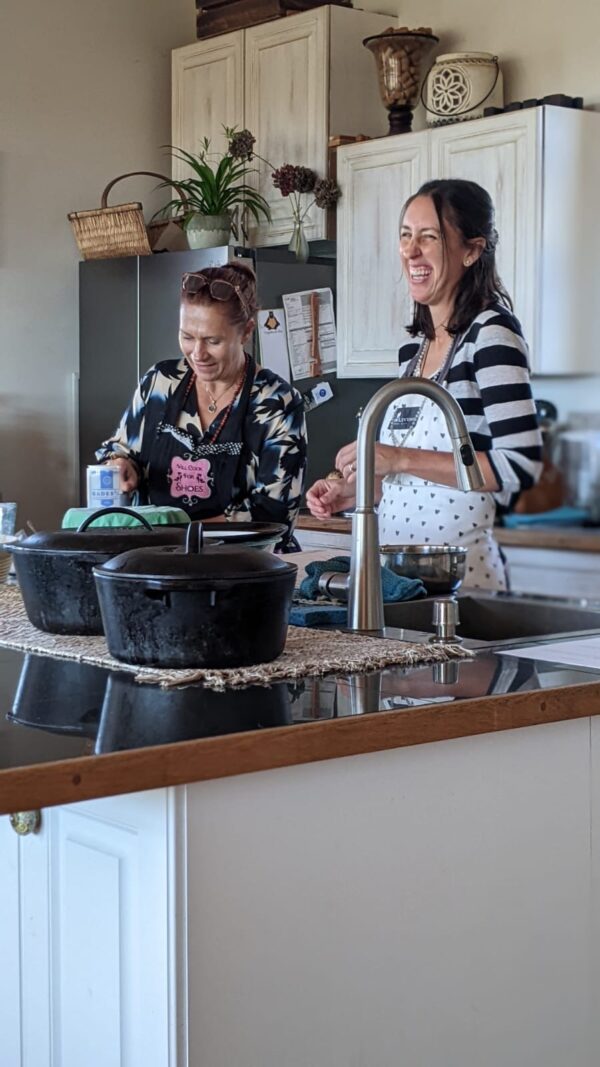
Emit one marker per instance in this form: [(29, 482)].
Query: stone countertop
[(566, 538), (70, 732)]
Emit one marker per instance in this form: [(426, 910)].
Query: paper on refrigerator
[(299, 332), (272, 339)]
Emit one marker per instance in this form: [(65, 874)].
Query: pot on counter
[(54, 570), (195, 607)]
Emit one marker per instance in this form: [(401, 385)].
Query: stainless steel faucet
[(365, 610)]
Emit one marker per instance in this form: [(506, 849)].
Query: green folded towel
[(156, 516), (394, 586)]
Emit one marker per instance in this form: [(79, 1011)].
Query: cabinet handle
[(26, 822)]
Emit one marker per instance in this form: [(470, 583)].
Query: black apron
[(192, 470)]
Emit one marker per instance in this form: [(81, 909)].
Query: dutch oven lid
[(110, 540), (194, 562)]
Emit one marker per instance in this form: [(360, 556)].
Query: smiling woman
[(466, 338), (212, 432)]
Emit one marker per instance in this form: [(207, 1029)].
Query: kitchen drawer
[(553, 573), (308, 539)]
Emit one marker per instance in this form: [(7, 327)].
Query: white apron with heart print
[(415, 511)]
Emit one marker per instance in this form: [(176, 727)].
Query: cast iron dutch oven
[(195, 607), (54, 570)]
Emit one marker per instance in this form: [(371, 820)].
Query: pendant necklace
[(214, 400), (212, 407)]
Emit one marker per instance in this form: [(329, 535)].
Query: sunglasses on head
[(218, 288)]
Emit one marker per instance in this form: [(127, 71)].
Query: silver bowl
[(441, 568)]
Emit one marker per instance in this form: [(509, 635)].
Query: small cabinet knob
[(26, 822)]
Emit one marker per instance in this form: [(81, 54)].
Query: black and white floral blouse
[(265, 435)]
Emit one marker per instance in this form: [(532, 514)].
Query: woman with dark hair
[(211, 432), (467, 339)]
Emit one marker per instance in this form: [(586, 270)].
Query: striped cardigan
[(489, 377)]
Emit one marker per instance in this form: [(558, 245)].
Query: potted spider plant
[(217, 196)]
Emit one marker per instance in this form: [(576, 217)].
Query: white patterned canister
[(459, 86)]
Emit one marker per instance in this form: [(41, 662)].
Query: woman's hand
[(129, 477), (327, 496), (387, 461)]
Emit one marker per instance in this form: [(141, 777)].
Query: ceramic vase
[(208, 231)]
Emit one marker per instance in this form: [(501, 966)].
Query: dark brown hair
[(469, 208), (237, 274)]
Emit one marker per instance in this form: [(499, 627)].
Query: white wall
[(544, 46), (84, 96)]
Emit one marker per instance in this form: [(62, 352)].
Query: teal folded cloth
[(394, 586), (318, 615), (565, 516)]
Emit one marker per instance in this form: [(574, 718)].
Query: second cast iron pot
[(195, 606)]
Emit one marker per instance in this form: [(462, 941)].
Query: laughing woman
[(465, 338), (211, 432)]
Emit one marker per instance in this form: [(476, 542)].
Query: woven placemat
[(307, 652)]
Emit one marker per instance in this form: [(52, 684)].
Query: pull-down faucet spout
[(365, 610)]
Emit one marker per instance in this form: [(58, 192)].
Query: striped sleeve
[(490, 379)]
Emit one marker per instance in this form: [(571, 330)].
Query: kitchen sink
[(490, 619)]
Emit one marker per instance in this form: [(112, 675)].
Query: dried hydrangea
[(284, 179), (304, 180), (241, 145), (327, 193)]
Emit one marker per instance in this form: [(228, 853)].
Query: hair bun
[(243, 268)]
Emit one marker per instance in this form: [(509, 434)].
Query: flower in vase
[(292, 180), (296, 182)]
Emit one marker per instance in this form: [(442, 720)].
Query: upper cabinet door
[(287, 109), (374, 307), (503, 155), (208, 94)]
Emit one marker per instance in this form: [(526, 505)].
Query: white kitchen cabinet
[(335, 540), (406, 903), (373, 304), (288, 82), (553, 572), (423, 906), (87, 925), (542, 168)]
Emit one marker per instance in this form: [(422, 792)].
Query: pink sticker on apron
[(189, 477)]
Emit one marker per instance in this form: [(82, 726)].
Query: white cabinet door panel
[(373, 300), (88, 929), (286, 110), (501, 155), (208, 88)]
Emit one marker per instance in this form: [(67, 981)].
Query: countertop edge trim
[(90, 777)]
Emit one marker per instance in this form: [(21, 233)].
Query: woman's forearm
[(435, 466)]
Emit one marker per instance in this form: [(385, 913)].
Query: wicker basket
[(107, 232)]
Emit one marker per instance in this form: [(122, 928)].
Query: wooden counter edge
[(89, 777)]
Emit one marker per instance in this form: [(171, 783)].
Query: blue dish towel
[(394, 586), (565, 516), (318, 615)]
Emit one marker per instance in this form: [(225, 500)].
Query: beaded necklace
[(226, 412)]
